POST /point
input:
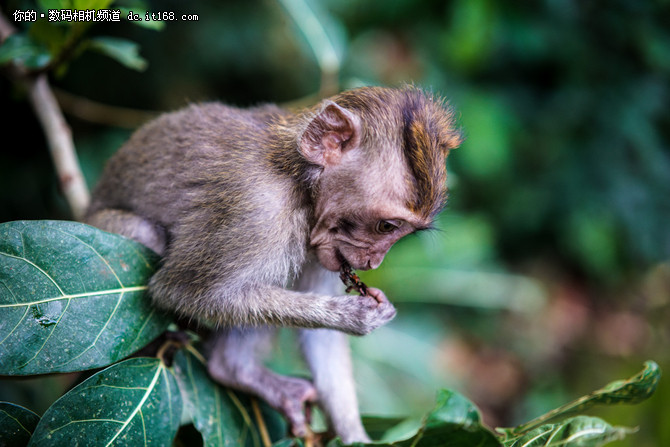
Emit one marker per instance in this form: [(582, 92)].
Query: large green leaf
[(134, 403), (631, 391), (580, 431), (72, 297), (222, 417), (16, 424)]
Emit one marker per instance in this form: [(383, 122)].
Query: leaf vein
[(78, 295), (38, 269), (116, 387), (139, 405), (144, 324), (6, 286), (96, 253), (16, 326), (85, 421), (17, 421), (530, 441), (97, 337), (585, 432)]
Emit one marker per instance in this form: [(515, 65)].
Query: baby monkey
[(255, 211)]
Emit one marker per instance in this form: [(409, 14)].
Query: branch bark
[(61, 145), (57, 132)]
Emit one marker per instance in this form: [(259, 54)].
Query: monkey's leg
[(235, 361), (130, 225), (328, 357), (327, 354)]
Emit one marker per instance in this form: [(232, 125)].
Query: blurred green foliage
[(549, 274)]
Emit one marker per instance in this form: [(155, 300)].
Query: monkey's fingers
[(377, 294)]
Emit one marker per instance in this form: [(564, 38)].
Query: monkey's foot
[(291, 396)]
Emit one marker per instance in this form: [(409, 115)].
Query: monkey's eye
[(384, 226)]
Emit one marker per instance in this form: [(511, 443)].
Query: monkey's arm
[(252, 304), (231, 272)]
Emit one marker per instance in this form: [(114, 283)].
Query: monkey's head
[(382, 157)]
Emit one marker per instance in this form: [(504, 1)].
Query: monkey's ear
[(331, 132)]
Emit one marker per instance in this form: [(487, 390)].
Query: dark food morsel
[(352, 281)]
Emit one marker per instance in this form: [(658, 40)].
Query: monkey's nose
[(375, 261)]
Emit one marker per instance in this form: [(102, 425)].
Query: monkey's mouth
[(342, 260)]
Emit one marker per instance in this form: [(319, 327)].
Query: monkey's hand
[(363, 314)]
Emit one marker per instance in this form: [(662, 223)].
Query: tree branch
[(61, 146), (57, 132), (99, 113)]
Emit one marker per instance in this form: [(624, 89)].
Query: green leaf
[(453, 408), (123, 51), (135, 402), (51, 35), (21, 49), (580, 431), (16, 424), (72, 297), (376, 426), (637, 389), (631, 391), (219, 414), (454, 421)]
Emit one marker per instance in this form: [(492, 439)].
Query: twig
[(265, 436), (163, 349), (96, 112), (57, 132)]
